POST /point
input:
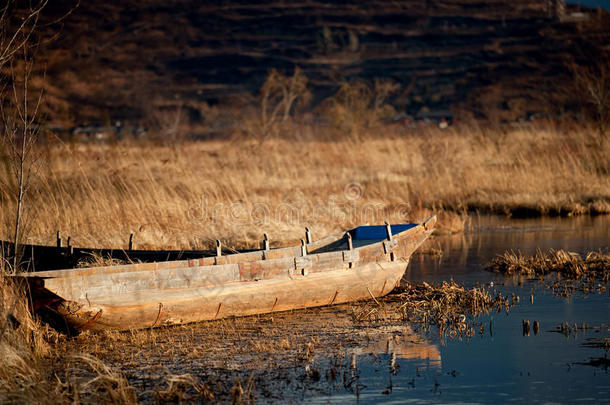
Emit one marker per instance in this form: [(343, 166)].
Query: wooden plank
[(72, 288)]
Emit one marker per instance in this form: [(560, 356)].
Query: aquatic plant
[(448, 306), (570, 265)]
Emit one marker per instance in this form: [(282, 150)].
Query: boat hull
[(144, 295), (162, 307)]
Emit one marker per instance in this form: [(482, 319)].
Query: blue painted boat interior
[(378, 231)]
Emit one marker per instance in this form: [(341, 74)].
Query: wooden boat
[(364, 262)]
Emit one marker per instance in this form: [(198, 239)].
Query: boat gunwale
[(180, 264), (134, 267)]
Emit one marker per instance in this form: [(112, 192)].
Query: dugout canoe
[(361, 263)]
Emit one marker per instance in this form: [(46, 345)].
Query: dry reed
[(23, 343), (188, 194), (570, 265), (26, 349), (448, 306), (89, 380), (184, 387)]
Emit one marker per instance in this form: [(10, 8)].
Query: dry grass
[(272, 357), (188, 194), (184, 387), (97, 260), (23, 343), (27, 348), (89, 380)]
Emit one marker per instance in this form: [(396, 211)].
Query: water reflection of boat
[(364, 262), (404, 345)]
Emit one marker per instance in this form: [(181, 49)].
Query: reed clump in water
[(602, 343), (570, 265), (446, 306)]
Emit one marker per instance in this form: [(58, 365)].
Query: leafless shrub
[(167, 123), (20, 126), (19, 108), (358, 106), (280, 96), (17, 27)]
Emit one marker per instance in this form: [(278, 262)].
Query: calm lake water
[(501, 366)]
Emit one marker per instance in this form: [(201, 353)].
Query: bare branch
[(10, 44)]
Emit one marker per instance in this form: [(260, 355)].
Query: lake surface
[(502, 366)]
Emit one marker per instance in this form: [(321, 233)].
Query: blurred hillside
[(497, 59)]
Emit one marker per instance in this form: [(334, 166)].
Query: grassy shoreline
[(188, 194)]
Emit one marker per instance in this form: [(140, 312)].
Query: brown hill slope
[(123, 61)]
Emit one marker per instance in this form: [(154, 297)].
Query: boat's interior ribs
[(42, 258), (37, 258)]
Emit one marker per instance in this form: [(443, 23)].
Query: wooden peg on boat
[(218, 248), (388, 230), (350, 244), (303, 248), (58, 239), (265, 242), (307, 235), (131, 241)]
